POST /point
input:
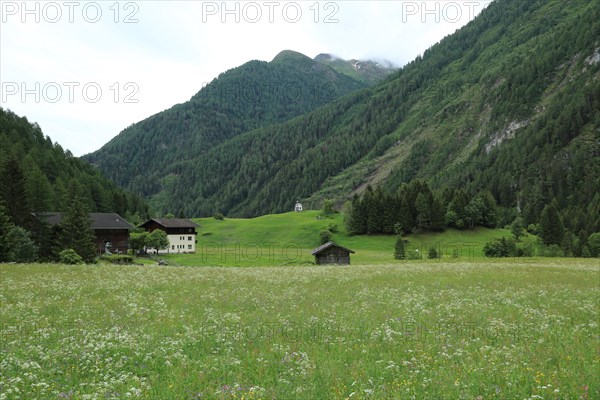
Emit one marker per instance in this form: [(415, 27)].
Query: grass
[(287, 239), (470, 330)]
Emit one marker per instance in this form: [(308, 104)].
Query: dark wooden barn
[(108, 228), (331, 253)]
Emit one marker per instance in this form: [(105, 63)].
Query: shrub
[(219, 217), (500, 248), (534, 229), (585, 252), (22, 248), (325, 236), (327, 208), (552, 250), (593, 244), (517, 228), (526, 250), (414, 255), (432, 253), (70, 257)]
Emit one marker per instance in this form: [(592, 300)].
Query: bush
[(534, 229), (585, 252), (552, 250), (70, 257), (325, 236), (117, 259), (500, 248), (432, 253), (593, 244), (414, 255), (219, 217), (22, 248), (526, 250), (327, 208)]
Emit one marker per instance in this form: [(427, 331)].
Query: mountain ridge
[(240, 99)]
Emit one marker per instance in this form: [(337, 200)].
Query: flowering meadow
[(510, 330)]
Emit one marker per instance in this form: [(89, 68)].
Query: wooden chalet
[(331, 253), (109, 228)]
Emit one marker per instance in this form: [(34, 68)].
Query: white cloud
[(176, 46)]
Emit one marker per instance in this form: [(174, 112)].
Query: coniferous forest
[(38, 175)]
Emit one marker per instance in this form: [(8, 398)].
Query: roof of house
[(99, 220), (328, 245), (173, 222)]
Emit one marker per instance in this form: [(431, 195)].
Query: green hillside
[(287, 239), (149, 157)]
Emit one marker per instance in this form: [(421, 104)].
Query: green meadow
[(250, 317), (412, 330), (287, 239)]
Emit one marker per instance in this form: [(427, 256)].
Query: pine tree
[(406, 219), (12, 190), (76, 232), (456, 209), (438, 216), (356, 218), (38, 190), (399, 250), (551, 226), (423, 211), (6, 227)]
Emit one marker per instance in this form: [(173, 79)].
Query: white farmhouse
[(181, 233)]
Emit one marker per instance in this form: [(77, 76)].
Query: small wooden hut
[(331, 253)]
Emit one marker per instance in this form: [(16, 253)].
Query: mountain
[(149, 156), (46, 175), (509, 104), (368, 71)]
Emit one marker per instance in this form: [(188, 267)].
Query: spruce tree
[(399, 250), (76, 229), (437, 215), (12, 190), (551, 226), (6, 227), (423, 211)]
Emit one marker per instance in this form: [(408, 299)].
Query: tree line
[(416, 208)]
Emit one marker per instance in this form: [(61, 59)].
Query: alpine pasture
[(416, 329)]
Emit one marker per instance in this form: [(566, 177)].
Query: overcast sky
[(84, 71)]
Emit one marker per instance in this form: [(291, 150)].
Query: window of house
[(173, 247), (189, 238), (189, 246)]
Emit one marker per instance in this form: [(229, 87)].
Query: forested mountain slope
[(39, 175), (148, 156), (510, 103)]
